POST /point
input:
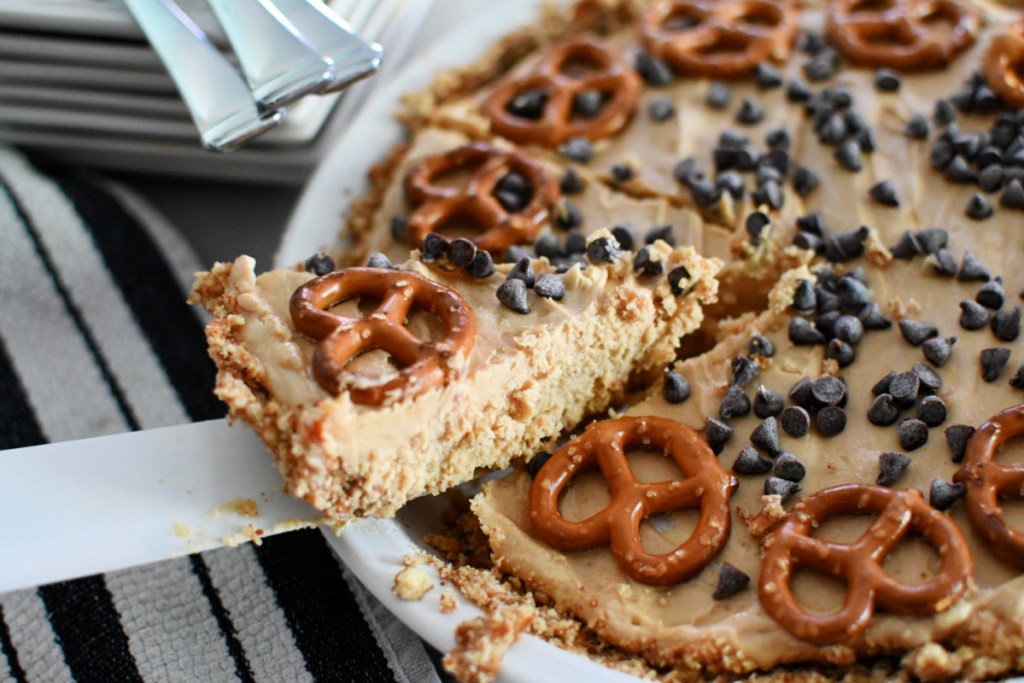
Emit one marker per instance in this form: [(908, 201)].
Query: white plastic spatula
[(81, 507)]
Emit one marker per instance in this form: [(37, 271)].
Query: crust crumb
[(931, 662), (481, 643), (412, 584), (448, 602)]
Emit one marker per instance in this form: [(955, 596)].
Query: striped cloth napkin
[(95, 338)]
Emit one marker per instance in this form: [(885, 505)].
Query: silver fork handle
[(221, 104), (331, 36), (278, 62)]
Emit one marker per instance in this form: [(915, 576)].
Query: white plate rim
[(374, 549)]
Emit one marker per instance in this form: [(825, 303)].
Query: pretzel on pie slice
[(861, 563), (609, 75), (604, 445), (896, 33), (986, 481), (719, 38), (436, 205), (1002, 65), (423, 364)]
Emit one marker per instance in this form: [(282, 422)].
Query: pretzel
[(603, 444), (437, 204), (616, 82), (1003, 65), (900, 511), (424, 364), (719, 38), (898, 35), (985, 481)]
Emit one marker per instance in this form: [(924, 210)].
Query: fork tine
[(221, 105), (353, 57)]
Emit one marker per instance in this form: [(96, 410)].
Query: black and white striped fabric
[(95, 338)]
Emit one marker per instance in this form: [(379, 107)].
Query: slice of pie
[(372, 386), (884, 450)]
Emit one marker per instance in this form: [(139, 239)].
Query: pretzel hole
[(1009, 453), (682, 19), (377, 365), (940, 20), (912, 561), (455, 177), (666, 531), (762, 15), (817, 593), (887, 35), (844, 529), (584, 496), (872, 6), (578, 66)]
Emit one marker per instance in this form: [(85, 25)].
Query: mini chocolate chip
[(834, 130), (978, 207), (734, 404), (675, 389), (804, 298), (778, 138), (848, 156), (941, 154), (750, 462), (777, 486), (932, 411), (434, 248), (957, 437), (513, 191), (822, 66), (761, 346), (871, 316), (717, 434), (883, 411), (547, 246), (912, 434), (704, 193), (907, 246), (512, 294), (719, 95), (800, 393), (603, 250), (750, 112), (959, 171), (804, 181), (841, 352), (576, 242), (904, 387), (676, 276), (985, 100), (944, 113), (937, 350), (732, 139), (789, 467), (660, 109), (826, 300), (529, 104), (855, 123), (379, 260), (828, 390), (992, 363), (848, 329), (769, 194), (1006, 324), (732, 183), (577, 149), (567, 216), (825, 323), (852, 293), (621, 173), (972, 315), (624, 235), (461, 252), (891, 467), (929, 379), (887, 80), (803, 333), (571, 183), (916, 332), (755, 223), (319, 264), (766, 436), (660, 232), (550, 286), (972, 269), (942, 263), (991, 295), (866, 140), (653, 70), (943, 495), (795, 421), (830, 421), (846, 245), (1013, 195), (798, 91), (397, 228), (1017, 381), (885, 193), (933, 239), (917, 127), (730, 582), (805, 240), (767, 76), (482, 265), (645, 265), (536, 463), (587, 103), (882, 385), (523, 270), (768, 403), (743, 370), (991, 178)]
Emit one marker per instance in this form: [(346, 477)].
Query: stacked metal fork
[(286, 49)]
